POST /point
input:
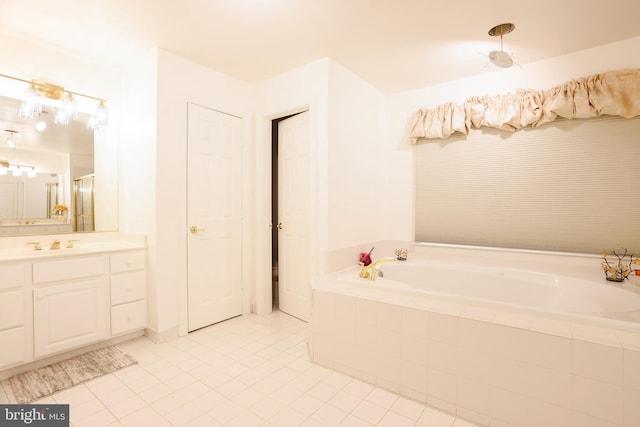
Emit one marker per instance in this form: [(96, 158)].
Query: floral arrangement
[(620, 270), (59, 209)]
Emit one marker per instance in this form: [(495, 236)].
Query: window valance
[(615, 93)]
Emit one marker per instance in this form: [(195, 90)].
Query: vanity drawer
[(13, 345), (12, 276), (69, 269), (128, 317), (11, 309), (128, 287), (128, 261)]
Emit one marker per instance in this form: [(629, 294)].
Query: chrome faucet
[(55, 244), (372, 271)]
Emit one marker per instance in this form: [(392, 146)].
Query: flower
[(59, 209)]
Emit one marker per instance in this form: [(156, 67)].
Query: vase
[(60, 218)]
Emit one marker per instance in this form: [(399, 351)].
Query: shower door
[(83, 203)]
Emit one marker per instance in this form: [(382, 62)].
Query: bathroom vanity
[(53, 301)]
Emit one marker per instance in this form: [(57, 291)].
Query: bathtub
[(507, 288), (494, 337)]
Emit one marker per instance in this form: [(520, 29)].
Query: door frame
[(263, 270)]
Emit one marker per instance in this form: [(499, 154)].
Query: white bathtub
[(498, 338), (505, 287)]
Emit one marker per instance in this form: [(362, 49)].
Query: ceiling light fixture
[(64, 101), (10, 142), (500, 57), (41, 124)]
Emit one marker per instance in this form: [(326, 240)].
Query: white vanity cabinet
[(13, 314), (54, 302), (69, 304), (128, 292)]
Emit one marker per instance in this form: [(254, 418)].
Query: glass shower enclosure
[(83, 203)]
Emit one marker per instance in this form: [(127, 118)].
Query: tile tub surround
[(492, 367), (246, 371)]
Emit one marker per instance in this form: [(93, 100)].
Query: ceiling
[(395, 45)]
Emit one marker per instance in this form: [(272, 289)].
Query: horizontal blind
[(571, 185)]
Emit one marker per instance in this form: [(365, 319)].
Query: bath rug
[(38, 383)]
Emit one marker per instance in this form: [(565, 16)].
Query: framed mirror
[(39, 163)]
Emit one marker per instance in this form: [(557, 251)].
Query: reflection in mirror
[(83, 203), (36, 176)]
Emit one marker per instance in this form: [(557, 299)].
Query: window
[(570, 185)]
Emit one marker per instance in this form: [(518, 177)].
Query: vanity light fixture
[(16, 170), (10, 142), (40, 93)]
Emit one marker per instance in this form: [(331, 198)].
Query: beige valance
[(615, 93)]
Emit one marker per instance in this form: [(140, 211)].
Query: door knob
[(279, 226), (194, 229)]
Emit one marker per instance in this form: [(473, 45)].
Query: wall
[(540, 75), (357, 172), (178, 82), (137, 164)]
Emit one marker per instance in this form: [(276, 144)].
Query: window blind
[(571, 185)]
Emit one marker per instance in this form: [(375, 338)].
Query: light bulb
[(92, 123), (102, 114), (41, 125), (32, 103), (17, 171), (32, 173), (3, 170)]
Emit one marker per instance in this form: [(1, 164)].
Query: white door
[(214, 216), (293, 216)]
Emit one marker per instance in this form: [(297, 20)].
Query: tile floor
[(248, 371)]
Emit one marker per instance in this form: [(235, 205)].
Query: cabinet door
[(69, 315), (12, 346)]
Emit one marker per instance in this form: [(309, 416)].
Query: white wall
[(538, 76), (137, 163), (179, 82), (357, 167)]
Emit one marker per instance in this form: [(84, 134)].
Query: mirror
[(41, 200)]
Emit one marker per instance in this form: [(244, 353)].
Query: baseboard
[(163, 336)]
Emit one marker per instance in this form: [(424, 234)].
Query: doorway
[(290, 213)]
